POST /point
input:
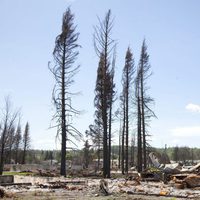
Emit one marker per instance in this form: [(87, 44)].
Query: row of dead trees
[(134, 93), (135, 104), (14, 143)]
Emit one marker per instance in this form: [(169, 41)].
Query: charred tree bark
[(139, 137), (63, 116), (109, 139), (123, 136), (143, 119), (127, 120), (119, 153)]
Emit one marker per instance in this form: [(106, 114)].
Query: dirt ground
[(77, 195), (67, 196), (88, 189)]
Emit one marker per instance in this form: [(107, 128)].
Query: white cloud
[(191, 131), (193, 107)]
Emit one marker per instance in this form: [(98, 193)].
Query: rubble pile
[(187, 180), (176, 187), (151, 188), (166, 180)]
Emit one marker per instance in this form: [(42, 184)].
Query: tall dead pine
[(104, 46), (65, 54)]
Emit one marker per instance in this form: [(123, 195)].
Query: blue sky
[(27, 34)]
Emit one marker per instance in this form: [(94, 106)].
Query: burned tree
[(26, 142), (111, 101), (17, 143), (86, 152), (6, 126), (127, 80), (104, 47), (139, 124), (10, 144), (144, 102), (65, 54), (95, 134), (123, 131)]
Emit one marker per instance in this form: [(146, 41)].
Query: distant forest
[(184, 155)]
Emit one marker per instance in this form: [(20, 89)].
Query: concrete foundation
[(6, 179)]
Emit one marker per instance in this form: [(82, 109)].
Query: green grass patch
[(19, 173)]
